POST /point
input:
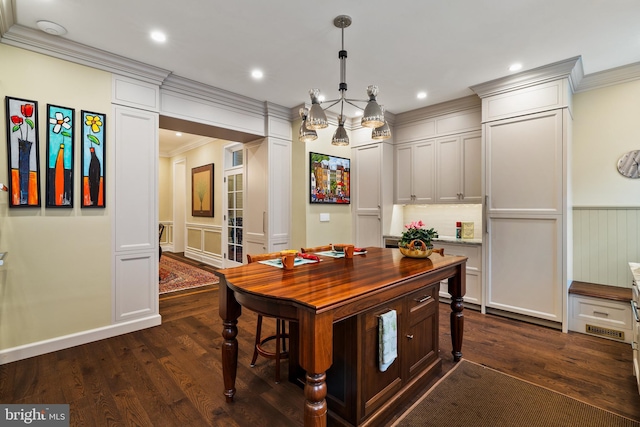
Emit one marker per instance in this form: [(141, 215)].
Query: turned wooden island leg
[(315, 405), (229, 312), (316, 356), (457, 289)]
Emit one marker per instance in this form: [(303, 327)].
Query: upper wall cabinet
[(415, 172), (459, 168), (438, 156)]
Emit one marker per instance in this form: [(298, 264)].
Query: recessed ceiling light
[(51, 28), (515, 67), (257, 74), (158, 36), (321, 98), (359, 112), (422, 95), (178, 133)]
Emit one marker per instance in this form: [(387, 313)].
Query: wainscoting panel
[(605, 240), (203, 244)]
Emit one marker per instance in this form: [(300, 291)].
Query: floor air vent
[(605, 332)]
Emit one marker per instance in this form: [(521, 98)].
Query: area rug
[(474, 395), (177, 276)]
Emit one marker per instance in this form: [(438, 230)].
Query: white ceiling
[(441, 47)]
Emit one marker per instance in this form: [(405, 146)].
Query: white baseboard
[(213, 260), (47, 346)]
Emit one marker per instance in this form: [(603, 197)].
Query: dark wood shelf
[(613, 293)]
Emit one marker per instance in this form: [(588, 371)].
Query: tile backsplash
[(442, 218)]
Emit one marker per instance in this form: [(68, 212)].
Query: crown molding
[(6, 16), (613, 76), (569, 68), (461, 104), (59, 47), (192, 88)]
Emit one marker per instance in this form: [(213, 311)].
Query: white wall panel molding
[(136, 293), (605, 240), (38, 41), (278, 123), (135, 93), (135, 179)]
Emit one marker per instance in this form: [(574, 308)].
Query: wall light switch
[(324, 217)]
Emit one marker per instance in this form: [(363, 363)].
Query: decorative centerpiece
[(416, 240)]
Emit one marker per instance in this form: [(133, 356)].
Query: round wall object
[(628, 164), (51, 28)]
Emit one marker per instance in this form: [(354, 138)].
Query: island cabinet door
[(420, 339), (378, 387)]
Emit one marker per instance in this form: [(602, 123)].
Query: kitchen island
[(314, 297)]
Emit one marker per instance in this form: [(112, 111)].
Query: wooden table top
[(334, 281)]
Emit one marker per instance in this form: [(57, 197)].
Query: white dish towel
[(387, 339)]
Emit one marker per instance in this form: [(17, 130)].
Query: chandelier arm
[(334, 103), (348, 101)]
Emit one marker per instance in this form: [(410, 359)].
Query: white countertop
[(635, 271), (452, 239)]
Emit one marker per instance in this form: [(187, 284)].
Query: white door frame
[(230, 169), (179, 204)]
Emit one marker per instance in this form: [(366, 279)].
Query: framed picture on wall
[(93, 159), (202, 190), (23, 152), (330, 179), (60, 129)]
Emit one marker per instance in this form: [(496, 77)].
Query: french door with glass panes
[(234, 213)]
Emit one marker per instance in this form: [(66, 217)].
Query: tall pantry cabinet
[(526, 126)]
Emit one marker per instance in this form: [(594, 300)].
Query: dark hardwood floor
[(170, 375)]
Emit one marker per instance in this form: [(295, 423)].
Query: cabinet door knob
[(410, 336)]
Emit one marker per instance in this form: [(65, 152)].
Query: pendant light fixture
[(315, 118)]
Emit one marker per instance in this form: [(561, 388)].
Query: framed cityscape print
[(60, 142), (23, 152), (93, 160), (330, 178)]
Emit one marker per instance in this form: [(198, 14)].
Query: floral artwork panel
[(93, 159), (23, 152), (60, 144)]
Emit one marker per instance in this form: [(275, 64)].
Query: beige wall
[(211, 152), (307, 230), (605, 126), (57, 275)]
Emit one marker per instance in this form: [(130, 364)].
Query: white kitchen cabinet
[(415, 172), (267, 194), (474, 270), (458, 168), (527, 247), (372, 192)]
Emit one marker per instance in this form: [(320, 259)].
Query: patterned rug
[(177, 276)]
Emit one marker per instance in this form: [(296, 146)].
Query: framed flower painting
[(93, 160), (23, 152), (60, 143)]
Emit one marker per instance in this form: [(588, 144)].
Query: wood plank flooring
[(170, 375)]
